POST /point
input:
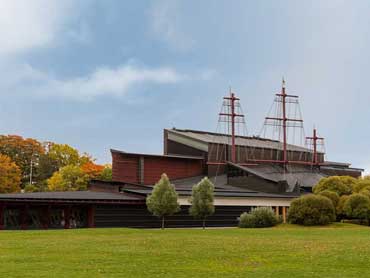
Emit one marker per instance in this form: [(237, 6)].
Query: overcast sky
[(112, 74)]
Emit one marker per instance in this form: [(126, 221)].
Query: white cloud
[(104, 81), (26, 24), (166, 25)]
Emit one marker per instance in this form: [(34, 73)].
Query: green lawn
[(340, 250)]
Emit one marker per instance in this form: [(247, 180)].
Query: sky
[(113, 74)]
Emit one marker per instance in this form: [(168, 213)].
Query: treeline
[(32, 166)]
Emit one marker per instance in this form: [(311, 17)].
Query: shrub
[(341, 185), (332, 196), (311, 210), (258, 218), (366, 192), (362, 184), (340, 206), (357, 206)]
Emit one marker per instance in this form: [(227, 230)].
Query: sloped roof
[(71, 196), (159, 155), (221, 193), (303, 176), (222, 189), (218, 138)]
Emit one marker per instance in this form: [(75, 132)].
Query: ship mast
[(315, 142), (232, 115), (283, 120)]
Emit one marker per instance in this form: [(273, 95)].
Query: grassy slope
[(287, 251)]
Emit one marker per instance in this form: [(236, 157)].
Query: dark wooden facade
[(32, 215), (147, 169), (137, 216)]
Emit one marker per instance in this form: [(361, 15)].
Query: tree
[(163, 200), (70, 177), (31, 188), (106, 174), (357, 206), (342, 185), (311, 210), (202, 200), (65, 155), (92, 170), (47, 167), (10, 175), (23, 152)]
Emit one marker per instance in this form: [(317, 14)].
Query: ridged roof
[(70, 196), (218, 138)]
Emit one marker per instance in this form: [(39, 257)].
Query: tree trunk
[(204, 223), (162, 222)]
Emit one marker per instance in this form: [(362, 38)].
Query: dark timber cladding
[(147, 169), (58, 210)]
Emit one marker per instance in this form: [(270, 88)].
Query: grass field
[(340, 250)]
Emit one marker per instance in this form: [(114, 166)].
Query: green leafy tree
[(342, 185), (202, 200), (163, 200), (31, 188), (358, 206), (47, 167), (106, 174), (68, 178), (65, 155)]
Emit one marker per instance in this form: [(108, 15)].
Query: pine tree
[(163, 200), (202, 200)]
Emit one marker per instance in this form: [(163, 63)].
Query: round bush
[(362, 183), (357, 206), (340, 206), (258, 218), (331, 195), (311, 210)]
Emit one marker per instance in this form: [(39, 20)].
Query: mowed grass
[(340, 250)]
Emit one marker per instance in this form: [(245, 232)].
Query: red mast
[(284, 120), (315, 141), (283, 96), (232, 115)]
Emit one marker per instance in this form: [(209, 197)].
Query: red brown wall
[(125, 168), (175, 168), (143, 169)]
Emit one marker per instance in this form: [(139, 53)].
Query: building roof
[(72, 197), (222, 189), (296, 175), (218, 138), (221, 193), (159, 155)]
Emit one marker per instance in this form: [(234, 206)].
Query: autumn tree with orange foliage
[(22, 152), (92, 170), (10, 175)]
